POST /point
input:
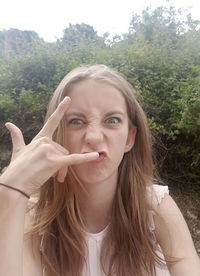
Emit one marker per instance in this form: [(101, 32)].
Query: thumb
[(16, 136)]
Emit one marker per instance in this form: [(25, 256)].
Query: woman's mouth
[(101, 157)]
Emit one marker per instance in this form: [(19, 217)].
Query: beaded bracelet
[(15, 189)]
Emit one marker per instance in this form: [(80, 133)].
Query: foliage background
[(160, 56)]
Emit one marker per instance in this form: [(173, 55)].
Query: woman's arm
[(173, 235), (12, 214), (31, 166), (18, 254), (32, 262)]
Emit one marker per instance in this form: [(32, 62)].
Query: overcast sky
[(50, 17)]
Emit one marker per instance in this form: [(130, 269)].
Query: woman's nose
[(93, 136)]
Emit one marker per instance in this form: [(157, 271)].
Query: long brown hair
[(128, 251)]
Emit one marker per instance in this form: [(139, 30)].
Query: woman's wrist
[(15, 189), (10, 199), (12, 185)]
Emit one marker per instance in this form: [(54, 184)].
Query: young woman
[(94, 207)]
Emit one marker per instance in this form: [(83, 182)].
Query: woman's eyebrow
[(77, 114), (106, 114), (113, 112)]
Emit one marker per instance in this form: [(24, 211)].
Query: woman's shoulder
[(155, 195), (173, 236)]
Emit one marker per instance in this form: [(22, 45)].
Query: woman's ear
[(130, 139)]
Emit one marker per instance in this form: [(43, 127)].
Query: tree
[(14, 41), (74, 34)]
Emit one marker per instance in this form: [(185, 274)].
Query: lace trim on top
[(155, 194)]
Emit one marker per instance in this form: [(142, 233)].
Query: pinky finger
[(61, 174)]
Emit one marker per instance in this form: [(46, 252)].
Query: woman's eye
[(113, 120), (75, 122)]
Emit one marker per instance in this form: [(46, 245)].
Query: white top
[(94, 241), (92, 267)]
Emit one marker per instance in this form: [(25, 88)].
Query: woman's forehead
[(91, 94)]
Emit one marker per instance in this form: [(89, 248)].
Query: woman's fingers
[(54, 120), (61, 174), (75, 159), (16, 136)]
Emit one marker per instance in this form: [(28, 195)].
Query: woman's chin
[(96, 176)]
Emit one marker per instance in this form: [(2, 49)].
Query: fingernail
[(66, 99), (7, 125), (95, 154)]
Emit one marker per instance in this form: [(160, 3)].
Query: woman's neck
[(96, 204)]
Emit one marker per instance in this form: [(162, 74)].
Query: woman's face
[(97, 120)]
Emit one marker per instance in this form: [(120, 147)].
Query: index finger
[(55, 118)]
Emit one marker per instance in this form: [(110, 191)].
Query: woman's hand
[(31, 165)]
